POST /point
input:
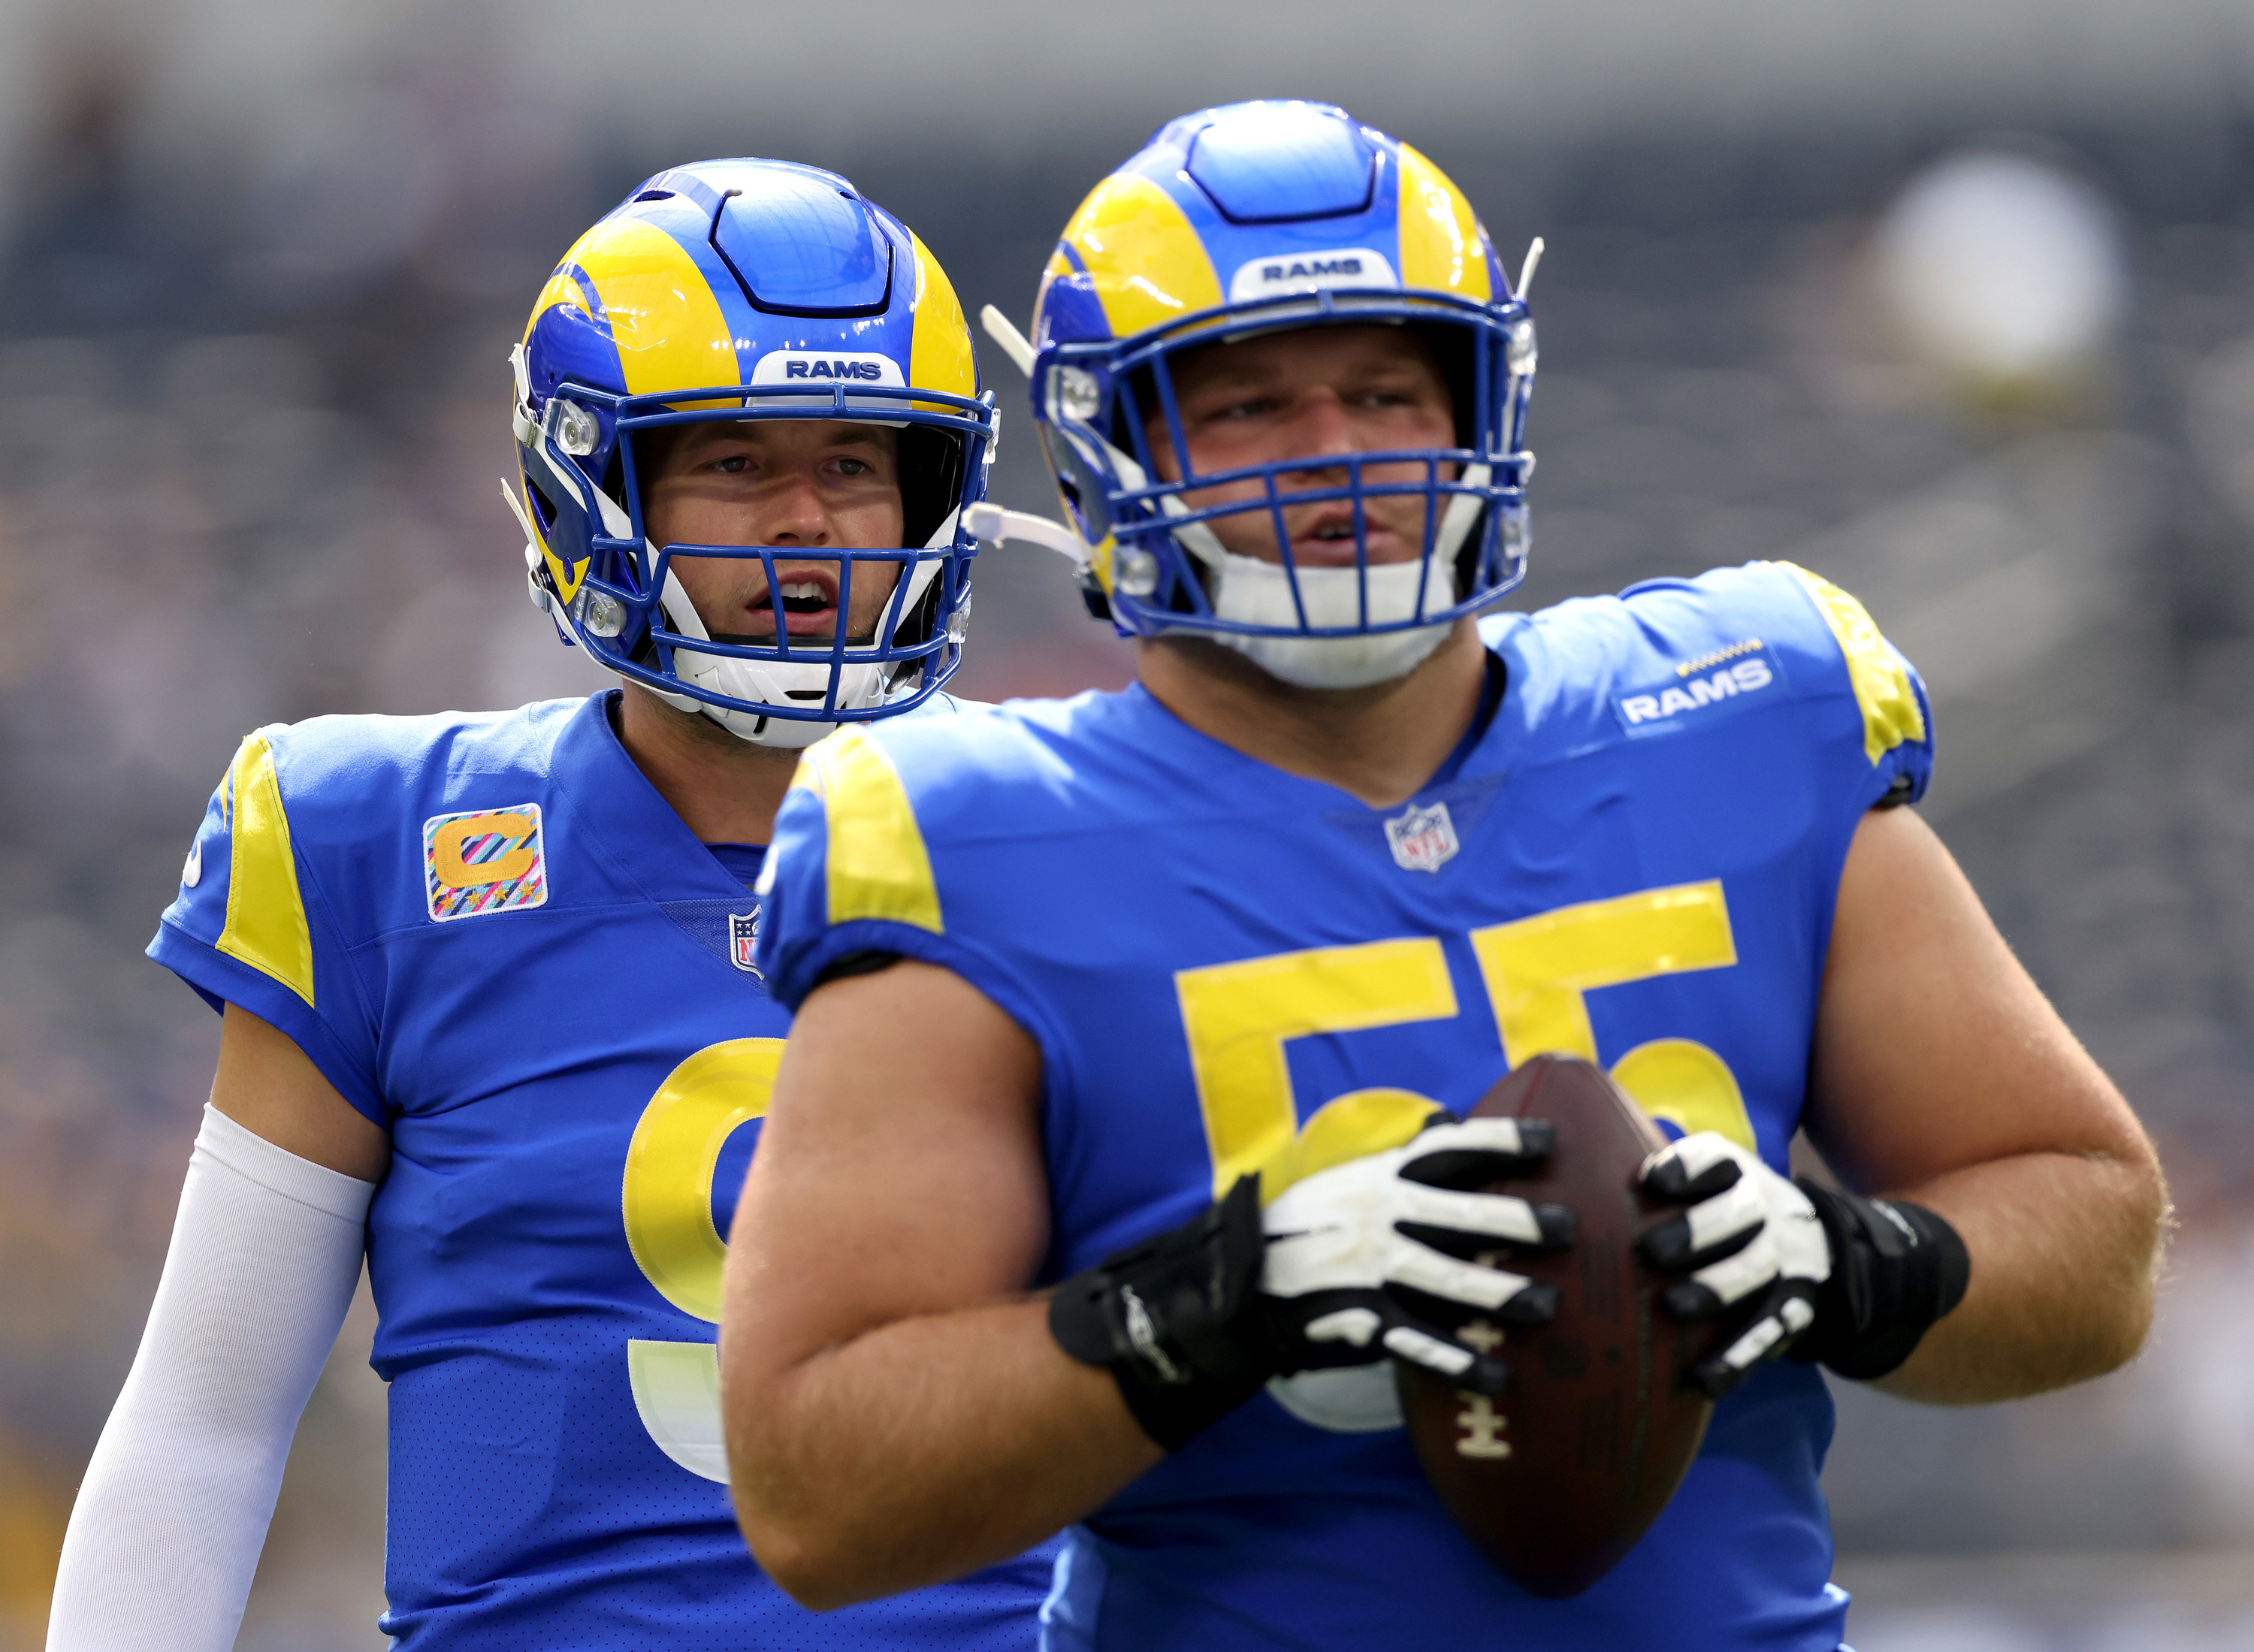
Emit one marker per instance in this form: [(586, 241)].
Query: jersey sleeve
[(849, 871), (1897, 718), (250, 927)]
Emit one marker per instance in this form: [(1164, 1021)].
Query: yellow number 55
[(1538, 971)]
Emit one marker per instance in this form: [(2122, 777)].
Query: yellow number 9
[(667, 1201), (668, 1196)]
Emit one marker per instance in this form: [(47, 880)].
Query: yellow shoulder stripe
[(879, 867), (266, 926), (1141, 251), (1882, 684)]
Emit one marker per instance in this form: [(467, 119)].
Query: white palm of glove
[(1747, 1235), (1341, 1243)]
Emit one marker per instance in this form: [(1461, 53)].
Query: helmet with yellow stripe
[(1249, 220), (748, 291)]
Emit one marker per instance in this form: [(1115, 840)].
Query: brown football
[(1555, 1480)]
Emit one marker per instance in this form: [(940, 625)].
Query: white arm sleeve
[(172, 1514)]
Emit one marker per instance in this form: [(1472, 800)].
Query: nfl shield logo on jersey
[(744, 939), (1422, 839)]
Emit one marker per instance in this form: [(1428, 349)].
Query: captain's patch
[(1698, 690), (485, 860)]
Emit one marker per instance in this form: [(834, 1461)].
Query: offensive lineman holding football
[(1072, 976), (491, 1013)]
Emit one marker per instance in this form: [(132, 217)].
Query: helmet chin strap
[(1251, 590), (770, 683)]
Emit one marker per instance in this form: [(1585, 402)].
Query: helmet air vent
[(798, 245), (1281, 163)]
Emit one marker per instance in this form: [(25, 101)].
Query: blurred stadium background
[(1952, 302)]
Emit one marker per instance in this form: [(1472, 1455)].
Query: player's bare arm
[(1942, 1076), (889, 1426), (266, 1084)]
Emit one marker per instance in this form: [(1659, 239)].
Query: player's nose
[(1320, 429), (792, 513)]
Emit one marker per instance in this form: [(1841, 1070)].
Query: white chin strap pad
[(1249, 590), (1255, 592), (768, 683)]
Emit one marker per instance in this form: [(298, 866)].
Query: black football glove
[(1803, 1270), (1337, 1271)]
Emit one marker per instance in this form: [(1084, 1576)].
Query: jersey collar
[(651, 845), (1219, 767)]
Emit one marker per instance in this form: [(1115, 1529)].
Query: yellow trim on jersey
[(1237, 1018), (1146, 259), (939, 348), (879, 867), (1442, 245), (667, 324), (1882, 684), (266, 926)]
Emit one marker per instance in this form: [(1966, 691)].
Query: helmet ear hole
[(1140, 392), (614, 475), (931, 481), (1465, 571), (544, 507), (915, 625), (1453, 351)]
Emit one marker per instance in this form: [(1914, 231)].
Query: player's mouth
[(1324, 536), (810, 604)]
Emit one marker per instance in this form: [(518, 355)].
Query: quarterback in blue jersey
[(1100, 1171), (491, 1014)]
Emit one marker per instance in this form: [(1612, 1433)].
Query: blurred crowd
[(250, 435)]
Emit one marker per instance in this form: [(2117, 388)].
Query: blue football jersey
[(497, 940), (1229, 968)]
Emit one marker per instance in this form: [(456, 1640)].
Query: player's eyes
[(733, 465), (853, 467)]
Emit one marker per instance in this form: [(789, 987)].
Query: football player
[(1083, 986), (491, 1016)]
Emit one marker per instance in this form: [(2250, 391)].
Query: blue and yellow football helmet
[(1248, 219), (745, 290)]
